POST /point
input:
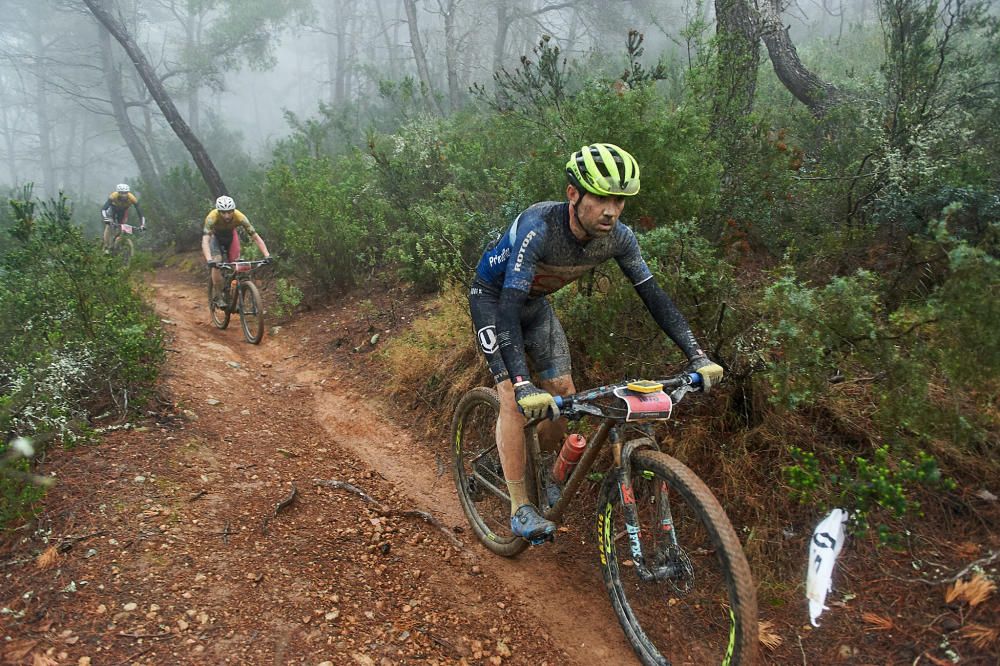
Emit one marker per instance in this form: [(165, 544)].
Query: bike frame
[(241, 271), (578, 407)]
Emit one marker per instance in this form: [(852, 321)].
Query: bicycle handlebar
[(687, 379)]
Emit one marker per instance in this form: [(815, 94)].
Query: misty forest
[(820, 198)]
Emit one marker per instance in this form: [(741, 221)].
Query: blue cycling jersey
[(538, 253)]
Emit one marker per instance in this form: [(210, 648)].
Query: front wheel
[(693, 599), (123, 248), (220, 316), (251, 313), (482, 489)]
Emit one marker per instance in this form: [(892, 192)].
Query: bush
[(74, 335)]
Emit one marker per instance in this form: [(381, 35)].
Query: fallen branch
[(382, 511), (67, 542), (279, 506), (198, 494), (163, 634), (983, 562)]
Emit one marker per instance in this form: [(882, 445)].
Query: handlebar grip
[(695, 378), (559, 401)]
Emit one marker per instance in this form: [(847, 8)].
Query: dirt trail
[(165, 544)]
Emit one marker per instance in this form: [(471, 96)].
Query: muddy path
[(201, 537)]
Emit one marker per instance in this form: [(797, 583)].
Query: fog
[(234, 68)]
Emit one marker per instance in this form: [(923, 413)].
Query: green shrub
[(74, 335)]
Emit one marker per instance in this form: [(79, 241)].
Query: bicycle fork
[(665, 565)]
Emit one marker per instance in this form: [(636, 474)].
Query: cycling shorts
[(224, 244), (545, 341)]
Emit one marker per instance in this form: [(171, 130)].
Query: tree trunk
[(418, 55), (500, 40), (198, 153), (112, 78), (192, 78), (8, 135), (739, 59), (42, 116), (808, 88), (451, 54)]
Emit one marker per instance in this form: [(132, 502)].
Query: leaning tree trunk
[(120, 112), (808, 88), (162, 99), (420, 57)]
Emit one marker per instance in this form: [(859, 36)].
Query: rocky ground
[(210, 533)]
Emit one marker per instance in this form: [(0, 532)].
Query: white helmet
[(225, 203), (123, 188)]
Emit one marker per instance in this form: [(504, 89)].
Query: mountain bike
[(240, 295), (672, 564), (122, 246)]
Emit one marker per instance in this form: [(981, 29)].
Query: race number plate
[(243, 266), (645, 406), (127, 228)]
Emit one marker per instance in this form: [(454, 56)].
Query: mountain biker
[(116, 208), (549, 245), (220, 238)]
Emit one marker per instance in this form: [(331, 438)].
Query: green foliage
[(287, 297), (74, 335), (319, 219), (442, 241), (813, 331), (865, 488)]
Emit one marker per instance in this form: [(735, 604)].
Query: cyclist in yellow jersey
[(220, 240), (116, 208)]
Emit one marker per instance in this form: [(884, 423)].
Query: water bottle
[(569, 456)]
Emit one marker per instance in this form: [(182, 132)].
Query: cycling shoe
[(552, 493), (528, 524)]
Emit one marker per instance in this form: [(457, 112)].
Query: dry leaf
[(48, 558), (982, 637), (39, 659), (934, 660), (15, 651), (766, 635), (974, 591), (876, 622), (967, 549)]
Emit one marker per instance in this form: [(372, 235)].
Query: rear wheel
[(220, 316), (251, 313), (479, 478), (699, 604)]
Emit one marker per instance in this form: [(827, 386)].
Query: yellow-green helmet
[(603, 169)]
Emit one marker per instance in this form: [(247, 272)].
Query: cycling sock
[(518, 495)]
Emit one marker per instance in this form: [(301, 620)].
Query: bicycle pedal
[(538, 541)]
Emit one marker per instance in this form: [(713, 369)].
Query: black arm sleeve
[(106, 206), (667, 316), (509, 332), (137, 209)]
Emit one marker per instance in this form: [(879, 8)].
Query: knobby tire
[(251, 313), (474, 457), (124, 249), (714, 620), (220, 316)]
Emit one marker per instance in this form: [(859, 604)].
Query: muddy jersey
[(539, 254), (214, 223)]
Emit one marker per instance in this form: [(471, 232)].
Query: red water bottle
[(569, 456)]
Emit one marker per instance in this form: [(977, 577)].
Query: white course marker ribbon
[(824, 547)]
